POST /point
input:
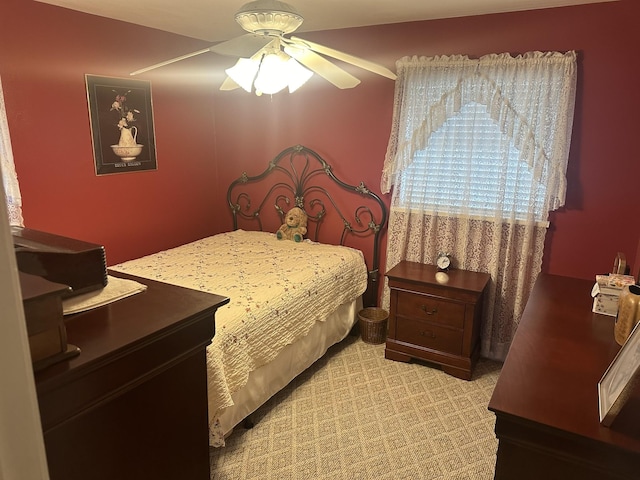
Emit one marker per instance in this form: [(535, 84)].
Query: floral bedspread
[(278, 290)]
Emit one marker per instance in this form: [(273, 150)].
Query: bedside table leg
[(397, 356)]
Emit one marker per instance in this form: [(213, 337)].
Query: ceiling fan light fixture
[(268, 17), (268, 74), (244, 72), (298, 75), (273, 74)]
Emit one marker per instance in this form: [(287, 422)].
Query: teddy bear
[(294, 226)]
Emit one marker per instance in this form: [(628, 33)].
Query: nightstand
[(435, 316)]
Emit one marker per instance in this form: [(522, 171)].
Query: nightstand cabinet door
[(436, 319)]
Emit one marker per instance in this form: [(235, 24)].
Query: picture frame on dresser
[(620, 378), (121, 120)]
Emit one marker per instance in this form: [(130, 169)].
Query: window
[(477, 175)]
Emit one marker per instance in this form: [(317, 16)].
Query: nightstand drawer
[(424, 307), (428, 335)]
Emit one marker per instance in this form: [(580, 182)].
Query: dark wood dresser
[(435, 316), (133, 404), (546, 398)]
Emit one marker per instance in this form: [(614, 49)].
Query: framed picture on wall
[(122, 131), (620, 379)]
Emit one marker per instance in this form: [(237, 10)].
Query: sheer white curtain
[(477, 158), (22, 452), (7, 167)]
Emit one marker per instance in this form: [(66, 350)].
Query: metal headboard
[(301, 178)]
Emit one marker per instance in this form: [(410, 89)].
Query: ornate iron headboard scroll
[(301, 178)]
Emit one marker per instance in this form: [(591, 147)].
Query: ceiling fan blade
[(244, 46), (322, 67), (167, 62), (345, 57), (229, 84)]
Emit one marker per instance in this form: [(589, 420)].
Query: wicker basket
[(373, 324)]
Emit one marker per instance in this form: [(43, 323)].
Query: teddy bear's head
[(296, 218)]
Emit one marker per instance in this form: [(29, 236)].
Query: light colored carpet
[(355, 415)]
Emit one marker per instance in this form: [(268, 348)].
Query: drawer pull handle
[(428, 312), (428, 334)]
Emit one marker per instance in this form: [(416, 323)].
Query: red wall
[(206, 138), (45, 52)]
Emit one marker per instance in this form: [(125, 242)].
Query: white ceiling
[(213, 20)]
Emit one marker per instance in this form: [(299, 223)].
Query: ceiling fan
[(265, 50)]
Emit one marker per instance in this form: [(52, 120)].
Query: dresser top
[(558, 355), (129, 322)]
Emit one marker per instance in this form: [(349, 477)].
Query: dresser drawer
[(429, 335), (424, 307)]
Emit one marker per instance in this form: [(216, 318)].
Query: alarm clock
[(443, 262)]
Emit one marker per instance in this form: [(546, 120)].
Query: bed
[(290, 301)]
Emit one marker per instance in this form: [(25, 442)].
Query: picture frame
[(620, 379), (121, 119)]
